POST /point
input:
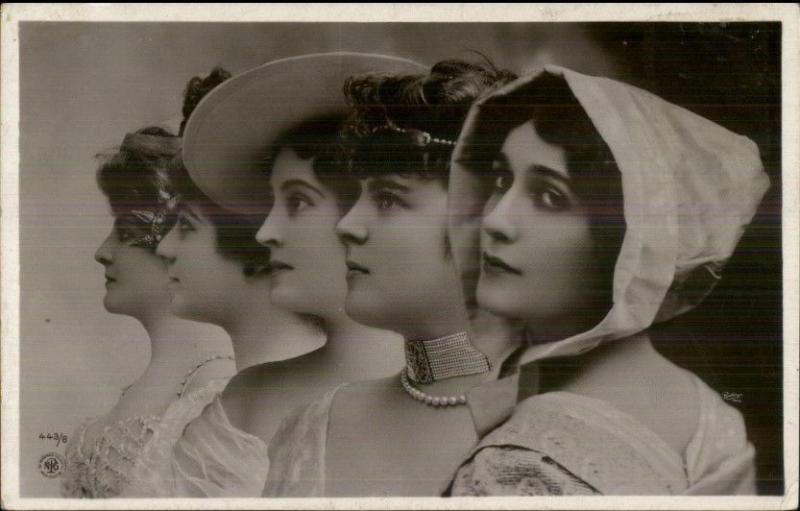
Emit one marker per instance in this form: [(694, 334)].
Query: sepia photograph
[(387, 257)]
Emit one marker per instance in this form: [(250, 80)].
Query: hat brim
[(228, 139)]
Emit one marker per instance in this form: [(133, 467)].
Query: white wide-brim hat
[(228, 138)]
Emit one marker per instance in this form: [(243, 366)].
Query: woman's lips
[(276, 266), (260, 269), (354, 269), (495, 265)]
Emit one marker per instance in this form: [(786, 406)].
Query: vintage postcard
[(400, 256)]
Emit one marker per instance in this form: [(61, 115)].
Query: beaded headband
[(158, 221)]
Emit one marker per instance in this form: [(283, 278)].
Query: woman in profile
[(600, 210), (401, 435), (106, 449), (292, 339), (219, 274)]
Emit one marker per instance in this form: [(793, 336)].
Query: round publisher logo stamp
[(52, 464)]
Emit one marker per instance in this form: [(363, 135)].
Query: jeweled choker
[(444, 357)]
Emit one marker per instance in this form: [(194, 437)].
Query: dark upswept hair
[(197, 88), (318, 139), (134, 178), (436, 103), (235, 233), (560, 120)]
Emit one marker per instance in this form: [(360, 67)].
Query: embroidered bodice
[(202, 455), (103, 468)]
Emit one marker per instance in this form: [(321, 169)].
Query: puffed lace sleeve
[(198, 453), (297, 452), (720, 460)]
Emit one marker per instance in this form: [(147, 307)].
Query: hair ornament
[(160, 219), (158, 222), (421, 138)]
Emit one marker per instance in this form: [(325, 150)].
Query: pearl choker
[(422, 397)]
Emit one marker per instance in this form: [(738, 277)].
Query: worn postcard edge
[(13, 14)]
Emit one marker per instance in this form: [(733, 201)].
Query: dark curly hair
[(235, 233), (197, 88), (134, 178), (559, 119), (318, 139), (384, 132)]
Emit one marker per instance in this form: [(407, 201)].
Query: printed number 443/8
[(60, 438)]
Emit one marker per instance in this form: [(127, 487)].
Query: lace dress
[(104, 469), (204, 456), (297, 451)]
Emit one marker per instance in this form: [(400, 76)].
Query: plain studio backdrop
[(85, 85)]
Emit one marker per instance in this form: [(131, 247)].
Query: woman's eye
[(297, 203), (124, 235), (386, 200), (550, 198), (501, 183), (184, 225)]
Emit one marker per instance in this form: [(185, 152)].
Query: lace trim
[(297, 451), (105, 469), (187, 379)]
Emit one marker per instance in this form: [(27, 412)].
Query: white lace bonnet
[(690, 188)]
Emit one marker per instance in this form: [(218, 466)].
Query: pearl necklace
[(422, 397)]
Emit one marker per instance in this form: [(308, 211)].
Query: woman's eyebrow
[(549, 172), (502, 158), (299, 182), (380, 183)]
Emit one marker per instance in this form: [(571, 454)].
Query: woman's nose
[(498, 223), (167, 246), (269, 232), (351, 229), (103, 254)]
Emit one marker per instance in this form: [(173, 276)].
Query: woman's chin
[(113, 306), (500, 302), (295, 300), (368, 312), (185, 309)]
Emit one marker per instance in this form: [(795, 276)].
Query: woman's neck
[(357, 352), (558, 329), (271, 336), (494, 336), (490, 335), (177, 341)]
